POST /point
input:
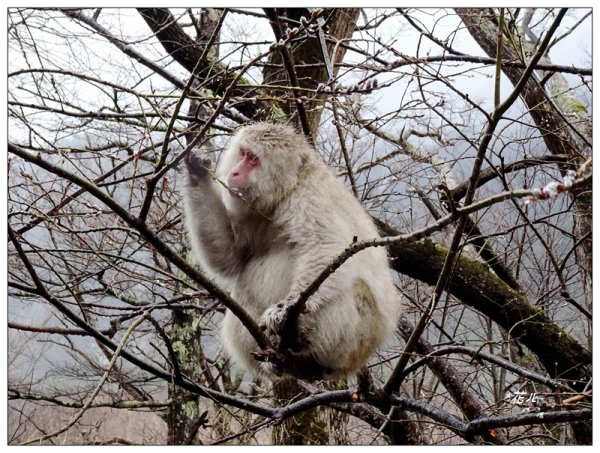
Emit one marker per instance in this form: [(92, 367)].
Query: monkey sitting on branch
[(264, 225)]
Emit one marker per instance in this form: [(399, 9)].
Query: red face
[(239, 177)]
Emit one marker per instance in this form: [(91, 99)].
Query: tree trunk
[(184, 416), (340, 27), (321, 426), (307, 428), (183, 413)]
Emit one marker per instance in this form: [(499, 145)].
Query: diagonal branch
[(141, 227)]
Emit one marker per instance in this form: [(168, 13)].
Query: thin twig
[(103, 379), (396, 377), (152, 182)]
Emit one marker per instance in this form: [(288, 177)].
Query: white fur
[(269, 247)]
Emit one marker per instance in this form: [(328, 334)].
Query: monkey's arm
[(207, 219)]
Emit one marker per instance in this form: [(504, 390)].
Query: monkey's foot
[(273, 322)]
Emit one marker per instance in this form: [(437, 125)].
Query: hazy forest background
[(466, 134)]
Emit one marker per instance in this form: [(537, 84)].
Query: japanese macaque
[(263, 226)]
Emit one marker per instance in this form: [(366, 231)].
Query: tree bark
[(183, 412)]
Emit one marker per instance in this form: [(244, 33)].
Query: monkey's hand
[(198, 166)]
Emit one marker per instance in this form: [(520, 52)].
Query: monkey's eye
[(253, 158)]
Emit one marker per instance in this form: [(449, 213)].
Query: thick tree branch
[(475, 286)]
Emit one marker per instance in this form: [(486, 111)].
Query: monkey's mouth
[(238, 192)]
